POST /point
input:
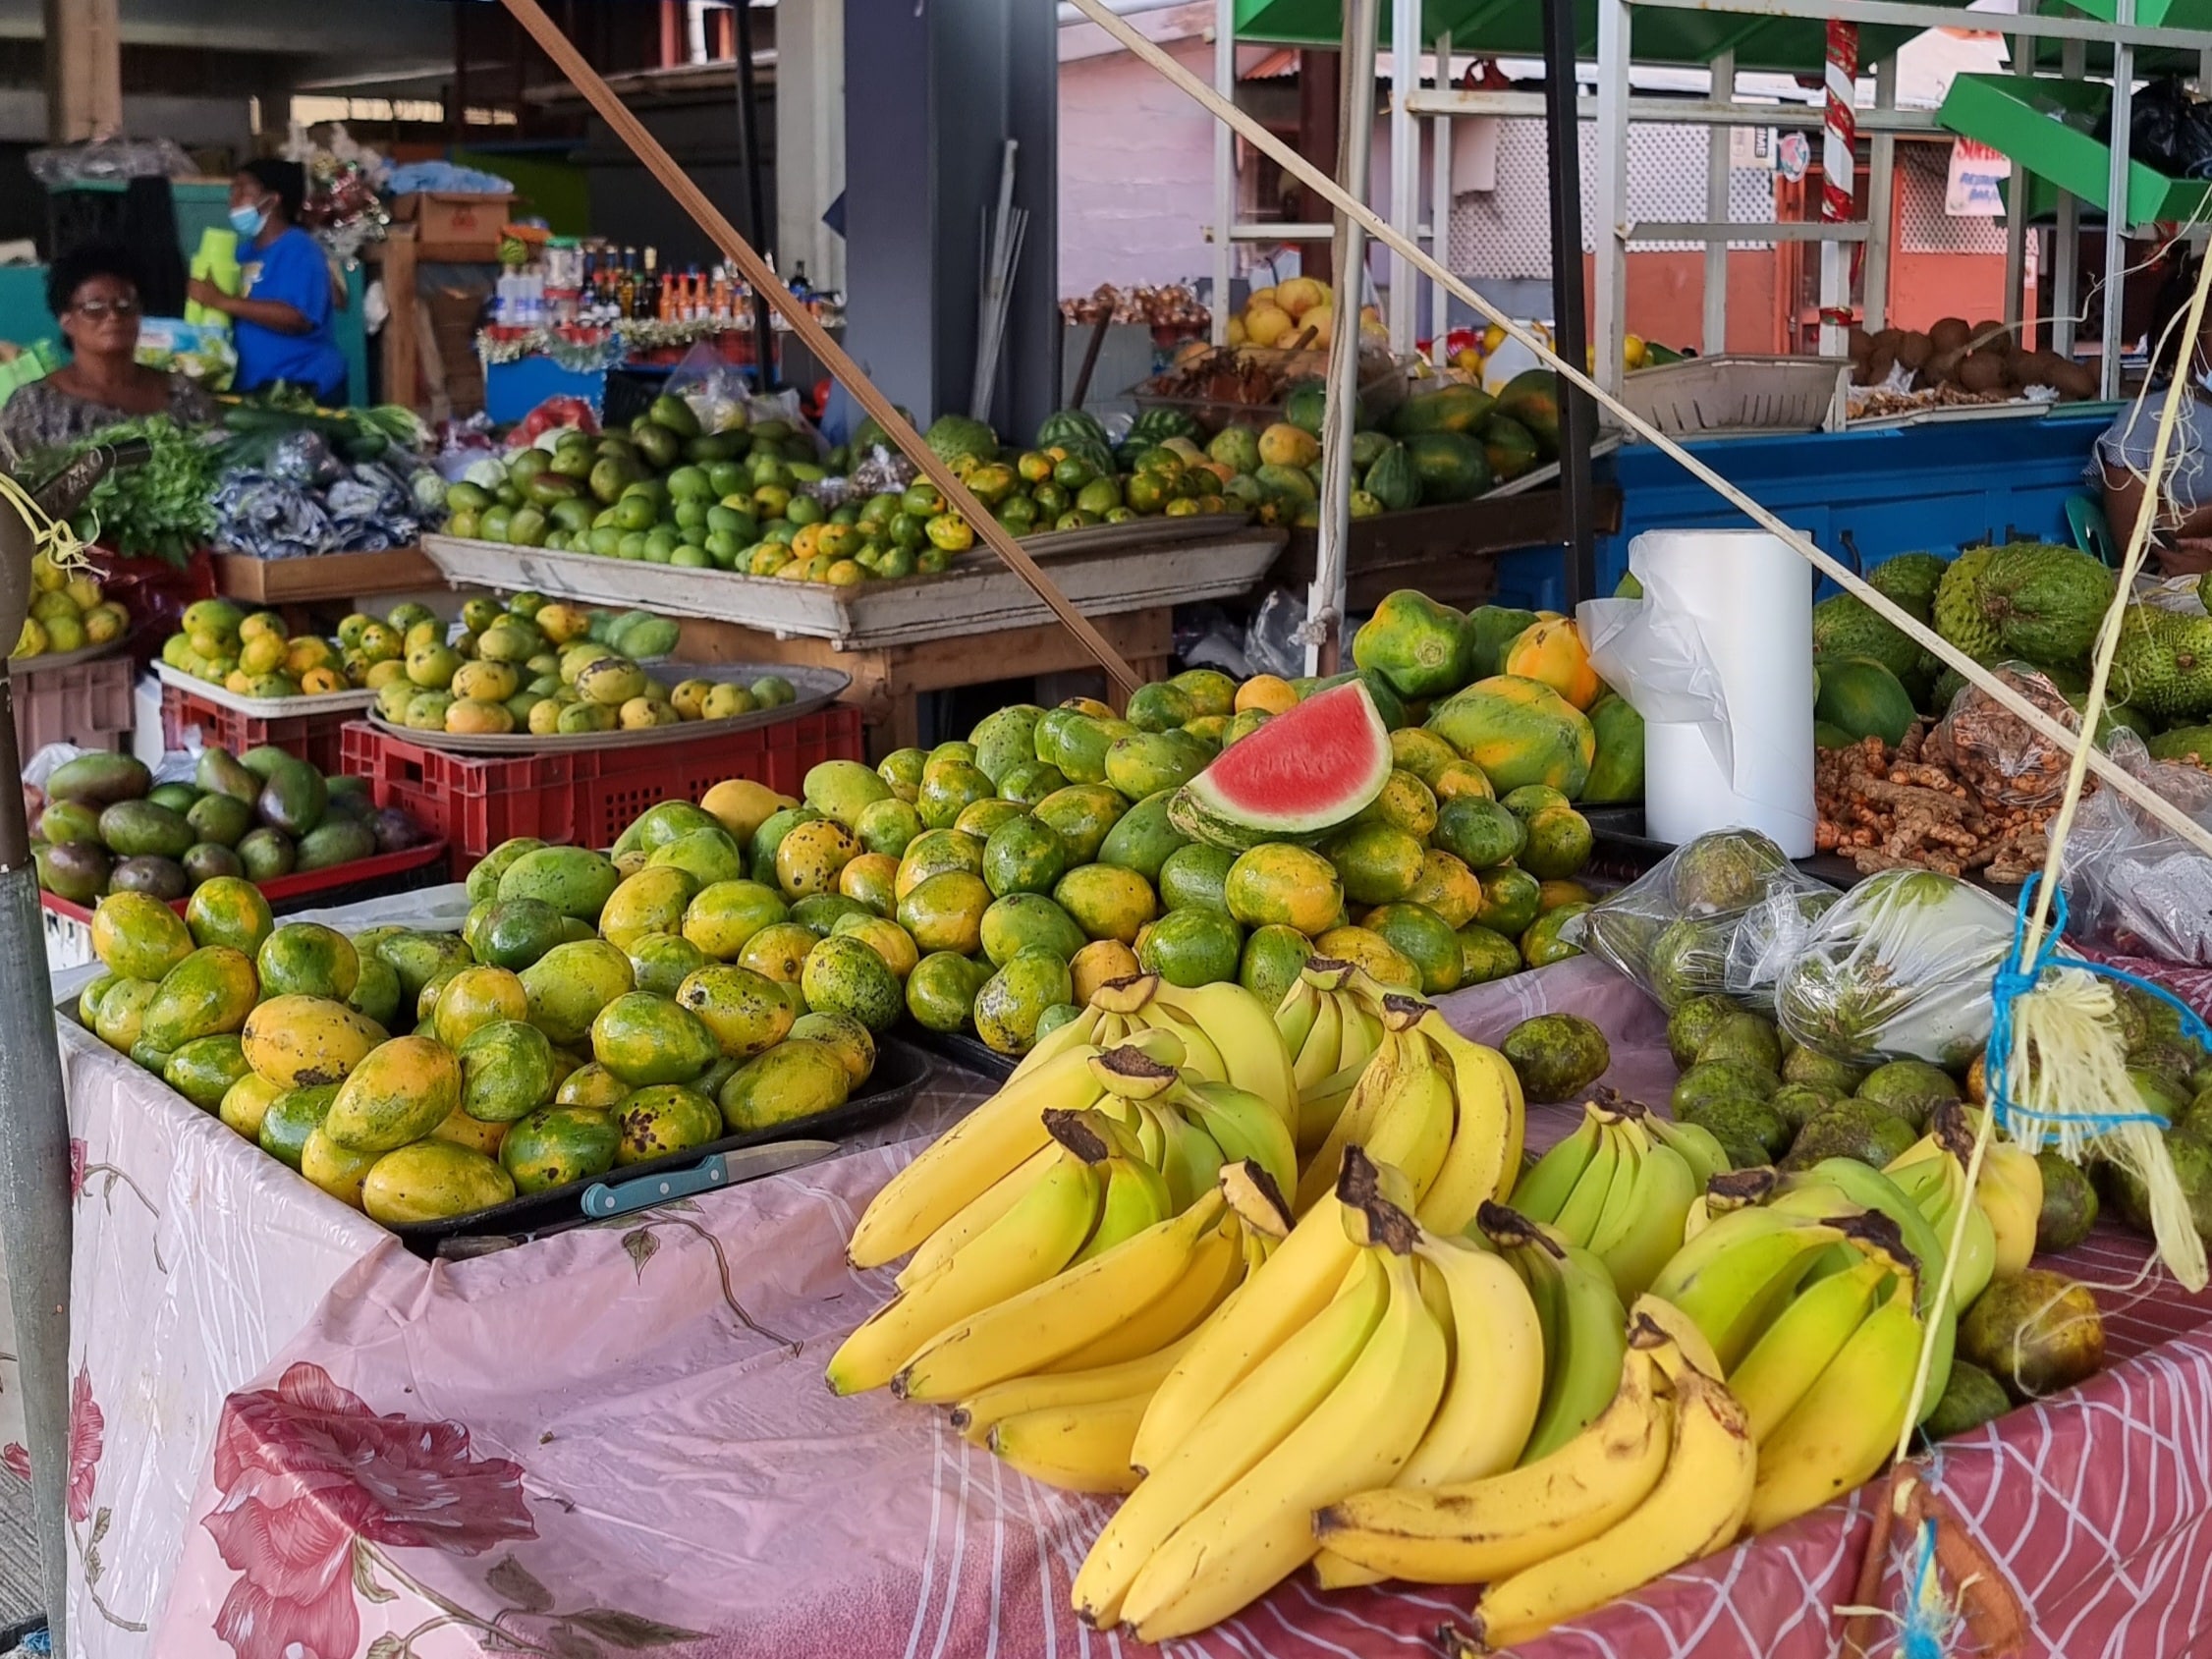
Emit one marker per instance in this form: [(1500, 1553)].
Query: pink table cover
[(617, 1441)]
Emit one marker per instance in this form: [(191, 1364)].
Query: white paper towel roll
[(1727, 739)]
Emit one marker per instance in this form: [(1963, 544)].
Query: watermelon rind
[(1305, 771)]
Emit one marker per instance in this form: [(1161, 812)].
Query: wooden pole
[(719, 231)]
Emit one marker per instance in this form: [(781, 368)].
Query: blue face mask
[(247, 221)]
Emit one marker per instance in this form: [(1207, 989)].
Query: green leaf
[(511, 1580), (365, 1574), (385, 1647)]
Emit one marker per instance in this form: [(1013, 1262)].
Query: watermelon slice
[(1303, 773)]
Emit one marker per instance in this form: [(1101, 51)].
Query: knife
[(604, 1198)]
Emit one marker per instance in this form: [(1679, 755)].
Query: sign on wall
[(1971, 192)]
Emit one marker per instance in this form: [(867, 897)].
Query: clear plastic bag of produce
[(1899, 969), (1993, 752), (715, 387), (2131, 884), (1724, 913)]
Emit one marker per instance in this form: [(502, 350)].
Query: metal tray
[(970, 1054), (24, 667), (264, 708), (817, 687), (900, 1074)]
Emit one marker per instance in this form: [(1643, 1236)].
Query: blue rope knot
[(2013, 980)]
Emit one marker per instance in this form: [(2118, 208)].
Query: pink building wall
[(1135, 172)]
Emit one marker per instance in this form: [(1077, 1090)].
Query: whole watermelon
[(1392, 481), (1450, 466), (1066, 426)]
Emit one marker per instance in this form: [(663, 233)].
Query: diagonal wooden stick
[(719, 231), (1329, 191)]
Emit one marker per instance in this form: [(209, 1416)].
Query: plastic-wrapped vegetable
[(1900, 968), (1722, 913), (2131, 883)]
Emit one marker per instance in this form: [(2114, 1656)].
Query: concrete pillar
[(83, 69), (809, 137), (931, 96)]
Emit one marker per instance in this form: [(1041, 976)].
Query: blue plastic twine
[(1930, 1620), (2014, 979)]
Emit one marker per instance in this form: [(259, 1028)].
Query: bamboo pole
[(719, 231), (1327, 189)]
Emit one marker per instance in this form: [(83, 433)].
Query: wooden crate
[(323, 576)]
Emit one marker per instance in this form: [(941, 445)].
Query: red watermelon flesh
[(1309, 767)]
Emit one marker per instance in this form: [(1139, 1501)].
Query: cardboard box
[(447, 219)]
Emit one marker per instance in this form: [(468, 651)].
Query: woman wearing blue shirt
[(280, 322)]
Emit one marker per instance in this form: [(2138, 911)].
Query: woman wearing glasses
[(93, 293)]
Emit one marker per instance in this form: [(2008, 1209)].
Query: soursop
[(1958, 610), (1909, 581), (2191, 640), (2045, 603), (1845, 626), (2183, 743), (2146, 670)]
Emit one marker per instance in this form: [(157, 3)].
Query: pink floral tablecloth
[(615, 1441)]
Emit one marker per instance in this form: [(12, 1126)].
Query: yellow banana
[(1804, 1337), (1696, 1507), (1611, 1171), (1466, 1057), (1075, 1448), (1319, 1108), (1261, 1528), (1495, 1385), (1251, 1048), (1241, 1124), (1636, 1238), (1588, 1335), (1188, 1156), (1414, 1130), (1245, 1424), (1485, 1143), (1669, 1321), (2010, 1194), (1297, 1015), (1846, 1426), (1027, 1331), (1024, 1248), (1302, 1276), (974, 1415), (976, 1214), (1136, 1198), (1359, 1032), (1215, 1269), (1356, 1124), (1544, 1188), (983, 1147), (1474, 1531), (1316, 1052), (1740, 1270)]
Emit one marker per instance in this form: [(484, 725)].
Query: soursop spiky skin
[(2045, 603), (2191, 640), (1958, 610), (2147, 671), (1910, 581), (1845, 626)]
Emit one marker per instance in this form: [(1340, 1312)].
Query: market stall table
[(667, 1462)]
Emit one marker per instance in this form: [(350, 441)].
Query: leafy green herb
[(161, 507)]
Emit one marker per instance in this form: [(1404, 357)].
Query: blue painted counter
[(1862, 496)]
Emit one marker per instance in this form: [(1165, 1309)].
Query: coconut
[(2035, 1334), (2074, 380), (1915, 349), (1860, 343), (1942, 366), (1951, 334), (1981, 371), (1992, 336)]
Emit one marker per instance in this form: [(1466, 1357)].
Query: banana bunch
[(1365, 1353), (2009, 1196), (973, 1171), (1331, 1021), (1090, 1266), (1225, 1031), (1441, 1110), (1621, 1186), (1662, 1474)]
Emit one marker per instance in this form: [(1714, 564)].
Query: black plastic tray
[(969, 1053), (901, 1070), (1621, 851)]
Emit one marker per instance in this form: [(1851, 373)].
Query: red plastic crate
[(305, 888), (586, 797), (87, 703), (314, 738)]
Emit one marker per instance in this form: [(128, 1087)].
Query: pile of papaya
[(593, 1012), (103, 825)]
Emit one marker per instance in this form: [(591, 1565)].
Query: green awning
[(1515, 28)]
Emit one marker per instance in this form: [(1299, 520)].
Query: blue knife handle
[(602, 1198)]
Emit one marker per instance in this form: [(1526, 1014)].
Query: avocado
[(178, 798), (161, 878), (1712, 1081), (1692, 1023), (99, 780), (675, 414), (294, 798), (263, 761), (208, 860), (1970, 1398), (1750, 1132), (76, 870), (1745, 1037), (1833, 1078), (609, 475), (2070, 1204), (336, 841), (266, 853), (220, 818), (222, 773), (551, 486), (132, 828), (660, 447), (69, 820), (1909, 1089), (1796, 1104)]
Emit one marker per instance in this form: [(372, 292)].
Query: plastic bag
[(2168, 130), (1275, 639), (1900, 968), (1993, 752), (715, 387), (103, 159), (1722, 914), (2131, 884)]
